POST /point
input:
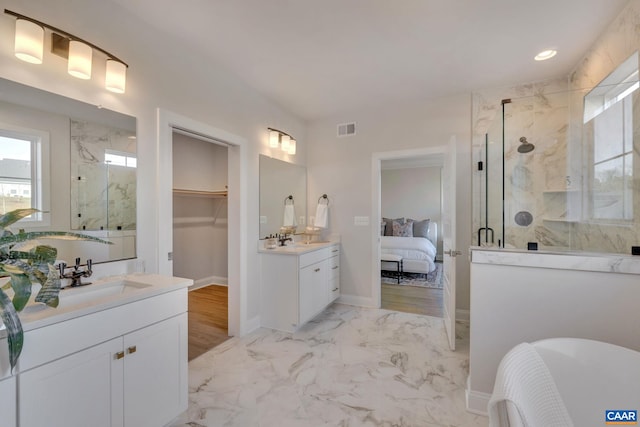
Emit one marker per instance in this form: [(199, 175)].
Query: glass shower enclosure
[(558, 169)]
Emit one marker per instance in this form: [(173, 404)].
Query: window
[(120, 158), (23, 164), (608, 118)]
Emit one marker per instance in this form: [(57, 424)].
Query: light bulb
[(274, 138), (116, 76), (29, 41), (80, 56)]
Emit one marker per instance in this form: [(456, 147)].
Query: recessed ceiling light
[(546, 54)]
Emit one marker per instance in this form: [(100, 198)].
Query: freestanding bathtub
[(591, 377)]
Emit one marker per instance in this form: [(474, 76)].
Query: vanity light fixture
[(29, 43), (546, 54), (286, 142)]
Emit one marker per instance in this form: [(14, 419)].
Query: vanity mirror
[(75, 162), (278, 181)]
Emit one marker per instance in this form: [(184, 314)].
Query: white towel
[(525, 384), (289, 219), (322, 216)]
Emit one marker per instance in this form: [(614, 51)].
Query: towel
[(322, 216), (289, 219), (525, 384)]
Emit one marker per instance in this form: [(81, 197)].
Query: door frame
[(237, 211), (376, 205)]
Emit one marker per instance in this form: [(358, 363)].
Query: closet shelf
[(200, 193)]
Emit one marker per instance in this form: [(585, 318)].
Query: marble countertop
[(81, 303), (297, 248), (580, 261)]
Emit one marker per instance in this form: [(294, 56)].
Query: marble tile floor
[(348, 367)]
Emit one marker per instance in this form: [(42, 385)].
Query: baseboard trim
[(201, 283), (463, 315), (357, 301), (477, 401), (251, 325)]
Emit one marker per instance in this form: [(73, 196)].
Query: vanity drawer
[(334, 267), (313, 257)]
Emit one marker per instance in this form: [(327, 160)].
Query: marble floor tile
[(348, 367)]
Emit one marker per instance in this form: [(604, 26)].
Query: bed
[(418, 253)]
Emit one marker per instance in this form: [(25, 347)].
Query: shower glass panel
[(561, 169)]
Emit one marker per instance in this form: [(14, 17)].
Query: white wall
[(392, 128), (163, 72), (412, 193)]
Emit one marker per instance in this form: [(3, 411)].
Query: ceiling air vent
[(347, 129)]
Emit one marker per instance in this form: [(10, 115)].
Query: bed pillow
[(421, 228), (403, 229), (388, 229)]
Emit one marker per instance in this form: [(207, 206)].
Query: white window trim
[(40, 168)]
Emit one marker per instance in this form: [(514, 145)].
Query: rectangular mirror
[(75, 162), (278, 181)]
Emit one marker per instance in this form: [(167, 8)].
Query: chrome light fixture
[(29, 43), (286, 142)]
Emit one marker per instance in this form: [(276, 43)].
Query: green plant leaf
[(15, 335), (7, 242), (15, 216), (50, 288), (21, 285)]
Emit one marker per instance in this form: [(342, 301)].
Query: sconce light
[(29, 47), (282, 139)]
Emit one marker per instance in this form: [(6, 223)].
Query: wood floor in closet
[(208, 319), (413, 299)]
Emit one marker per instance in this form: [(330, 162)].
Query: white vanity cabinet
[(7, 387), (124, 366), (298, 284)]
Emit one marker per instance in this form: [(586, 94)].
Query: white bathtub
[(591, 377)]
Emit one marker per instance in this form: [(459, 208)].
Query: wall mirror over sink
[(75, 162), (278, 181)]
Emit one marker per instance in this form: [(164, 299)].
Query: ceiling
[(316, 58)]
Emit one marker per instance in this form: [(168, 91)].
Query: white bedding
[(418, 253)]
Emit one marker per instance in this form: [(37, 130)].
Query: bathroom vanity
[(298, 282), (113, 353)]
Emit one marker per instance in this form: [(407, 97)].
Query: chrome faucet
[(76, 274)]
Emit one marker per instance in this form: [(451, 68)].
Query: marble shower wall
[(552, 181), (102, 196), (536, 183)]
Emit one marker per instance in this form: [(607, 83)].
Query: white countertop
[(582, 261), (37, 315), (297, 248)]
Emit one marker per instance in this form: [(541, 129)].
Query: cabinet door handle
[(334, 251), (119, 355), (334, 289), (335, 268), (131, 349), (316, 270)]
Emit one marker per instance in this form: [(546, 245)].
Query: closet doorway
[(200, 235), (410, 242)]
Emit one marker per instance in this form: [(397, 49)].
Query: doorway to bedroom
[(411, 201)]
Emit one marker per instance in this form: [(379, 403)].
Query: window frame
[(40, 172)]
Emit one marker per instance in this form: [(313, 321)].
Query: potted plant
[(25, 261)]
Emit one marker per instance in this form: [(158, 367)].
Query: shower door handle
[(452, 253)]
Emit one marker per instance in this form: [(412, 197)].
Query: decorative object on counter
[(29, 45), (270, 242), (286, 142), (523, 218), (25, 261)]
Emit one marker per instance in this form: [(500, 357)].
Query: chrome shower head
[(525, 146)]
